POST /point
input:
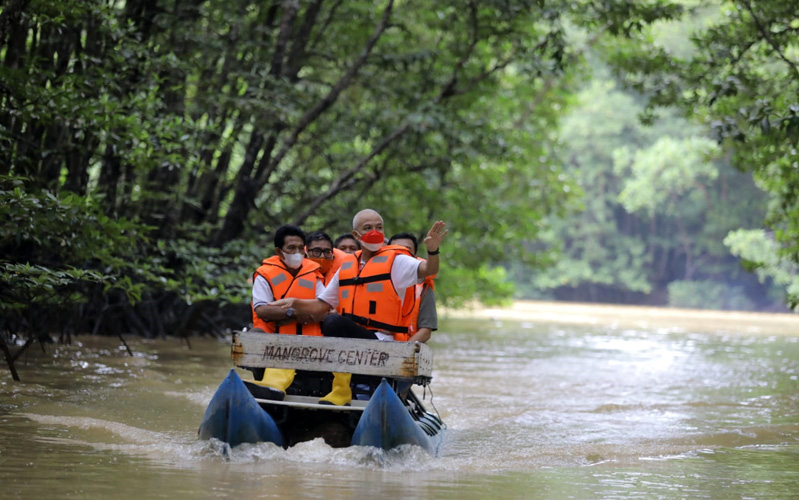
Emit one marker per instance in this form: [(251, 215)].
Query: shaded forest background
[(610, 151)]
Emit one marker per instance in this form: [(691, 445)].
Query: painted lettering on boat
[(370, 357), (354, 357)]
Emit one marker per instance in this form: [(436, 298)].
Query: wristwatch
[(290, 312)]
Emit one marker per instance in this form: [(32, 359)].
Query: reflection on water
[(534, 411)]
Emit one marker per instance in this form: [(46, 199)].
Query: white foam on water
[(185, 450), (199, 398), (176, 448), (124, 431), (400, 459)]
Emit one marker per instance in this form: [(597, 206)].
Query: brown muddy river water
[(537, 409)]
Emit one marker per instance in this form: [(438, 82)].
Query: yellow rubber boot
[(276, 381), (341, 395)]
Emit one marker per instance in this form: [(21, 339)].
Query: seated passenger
[(347, 243), (424, 318), (319, 249), (287, 274)]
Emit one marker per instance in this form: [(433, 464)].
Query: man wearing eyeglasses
[(319, 248), (287, 274)]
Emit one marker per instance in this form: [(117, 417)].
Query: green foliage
[(759, 253), (658, 200), (740, 78), (59, 251), (661, 177), (187, 131), (595, 253), (64, 260), (64, 228), (709, 295), (492, 282), (42, 285), (212, 120), (204, 274)]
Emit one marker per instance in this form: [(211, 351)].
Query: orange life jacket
[(283, 284), (419, 292), (368, 297), (339, 257)]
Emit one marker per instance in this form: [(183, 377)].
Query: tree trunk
[(110, 173), (248, 188), (9, 360), (244, 197), (10, 16)]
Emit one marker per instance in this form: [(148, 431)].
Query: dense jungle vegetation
[(604, 150)]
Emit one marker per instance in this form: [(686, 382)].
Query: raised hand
[(435, 236)]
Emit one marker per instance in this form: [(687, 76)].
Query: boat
[(385, 412)]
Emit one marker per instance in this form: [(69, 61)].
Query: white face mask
[(293, 260)]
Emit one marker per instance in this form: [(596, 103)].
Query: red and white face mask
[(373, 240)]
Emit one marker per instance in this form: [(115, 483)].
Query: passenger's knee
[(332, 325)]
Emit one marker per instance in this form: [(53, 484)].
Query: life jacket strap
[(357, 280), (375, 324), (283, 322)]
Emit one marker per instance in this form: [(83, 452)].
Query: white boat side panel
[(328, 354)]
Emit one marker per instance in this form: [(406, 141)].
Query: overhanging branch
[(338, 185), (774, 45), (328, 100)]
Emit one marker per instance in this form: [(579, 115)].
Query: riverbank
[(624, 316)]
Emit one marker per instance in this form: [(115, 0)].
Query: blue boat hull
[(233, 416), (386, 424)]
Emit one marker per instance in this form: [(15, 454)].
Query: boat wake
[(401, 458), (200, 398), (185, 451)]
